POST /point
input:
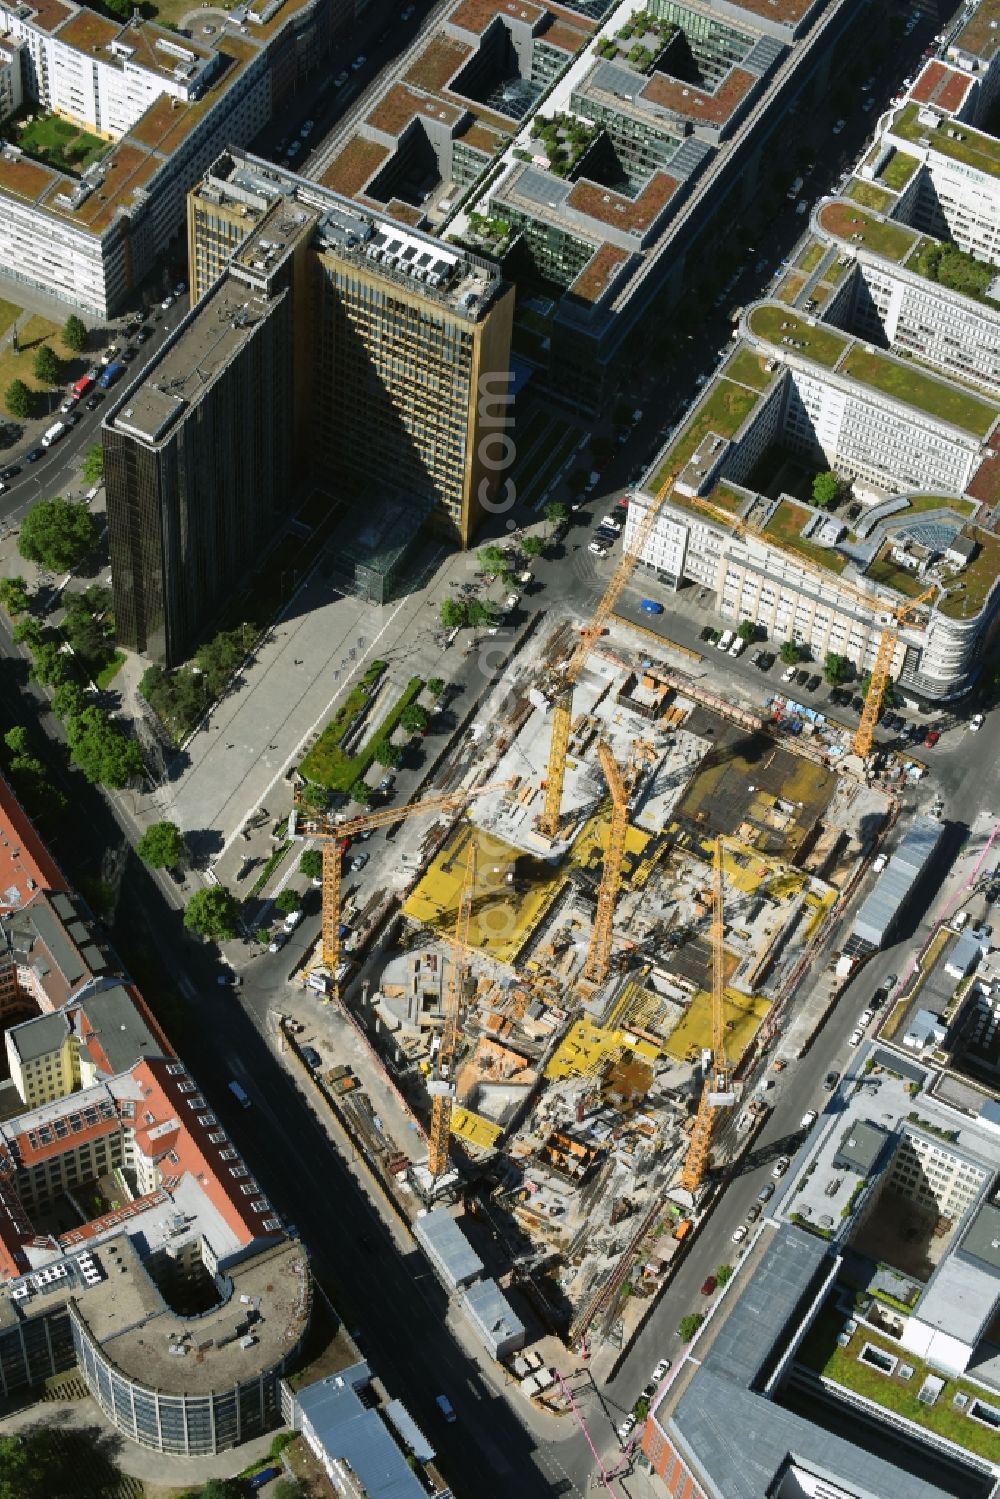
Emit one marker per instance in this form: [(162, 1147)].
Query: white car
[(781, 1165), (167, 302), (660, 1370), (976, 722), (789, 675), (856, 1037), (292, 920), (865, 1019), (626, 1427), (808, 1119), (739, 1234)]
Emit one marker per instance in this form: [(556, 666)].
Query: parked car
[(766, 1192), (813, 682), (660, 1370), (831, 1080), (358, 63), (865, 1018), (598, 549), (626, 1428), (358, 862), (312, 1058), (788, 675), (709, 1285), (976, 722), (387, 782), (292, 919), (168, 302), (34, 455), (229, 980), (650, 606), (340, 79), (277, 942), (780, 1166), (856, 1037), (739, 1234), (931, 737), (753, 1212), (801, 678), (180, 288), (10, 472), (307, 129), (143, 334), (95, 400), (406, 14), (838, 127), (808, 1119)]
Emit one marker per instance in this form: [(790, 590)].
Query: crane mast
[(442, 1085)]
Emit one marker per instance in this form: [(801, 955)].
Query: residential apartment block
[(166, 103), (851, 1352), (335, 345), (125, 1208)]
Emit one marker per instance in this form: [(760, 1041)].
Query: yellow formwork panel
[(474, 1129), (586, 1047), (693, 1031)]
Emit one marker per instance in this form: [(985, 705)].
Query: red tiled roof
[(941, 86), (23, 855)]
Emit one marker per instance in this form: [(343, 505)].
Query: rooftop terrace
[(903, 381), (774, 322), (785, 528), (981, 33), (851, 222)]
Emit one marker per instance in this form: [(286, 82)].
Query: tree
[(480, 615), (221, 1488), (28, 631), (68, 700), (86, 635), (791, 652), (262, 935), (452, 613), (46, 1460), (49, 664), (311, 864), (836, 669), (532, 546), (492, 560), (689, 1325), (289, 1488), (46, 367), (888, 697), (74, 334), (14, 595), (414, 718), (388, 755), (18, 399), (360, 792), (826, 488), (101, 750), (747, 630), (212, 913), (435, 686), (92, 468), (57, 534), (17, 741), (162, 846), (723, 1273), (316, 796), (287, 901), (219, 658)]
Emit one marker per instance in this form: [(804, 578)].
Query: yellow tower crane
[(881, 674), (441, 1086), (716, 1091), (595, 969), (334, 836), (562, 713)]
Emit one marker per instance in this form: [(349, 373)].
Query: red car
[(931, 737), (709, 1286)]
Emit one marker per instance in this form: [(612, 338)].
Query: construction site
[(602, 927)]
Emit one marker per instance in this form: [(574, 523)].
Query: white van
[(724, 641), (240, 1094), (54, 433)]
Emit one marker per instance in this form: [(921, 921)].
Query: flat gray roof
[(882, 906), (348, 1430), (490, 1308), (38, 1036), (442, 1235), (861, 1145), (120, 1029), (982, 1238)]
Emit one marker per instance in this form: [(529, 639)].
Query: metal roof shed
[(454, 1260), (880, 911), (494, 1319)]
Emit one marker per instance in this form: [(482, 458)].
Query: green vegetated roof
[(823, 344), (898, 170), (968, 592), (890, 575), (868, 195), (855, 222), (784, 529), (723, 410), (820, 1351), (747, 368), (922, 502), (951, 139), (914, 387), (811, 256)]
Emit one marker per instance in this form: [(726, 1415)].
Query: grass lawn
[(976, 150), (967, 595), (108, 673), (884, 571), (901, 381), (822, 344), (37, 331), (747, 368), (811, 257), (61, 144), (898, 170), (821, 1352), (326, 762), (723, 410), (8, 312), (868, 195), (789, 287), (940, 502), (881, 236), (784, 529)]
